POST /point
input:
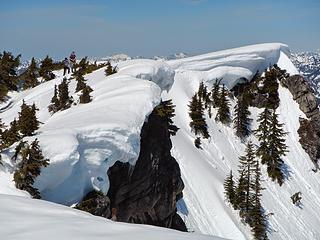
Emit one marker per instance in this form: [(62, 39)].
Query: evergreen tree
[(2, 129), (85, 95), (244, 192), (277, 149), (28, 122), (196, 112), (80, 83), (223, 114), (64, 99), (262, 133), (270, 87), (11, 135), (110, 70), (32, 160), (166, 111), (257, 216), (55, 103), (216, 93), (46, 68), (30, 76), (229, 189), (241, 119), (8, 74)]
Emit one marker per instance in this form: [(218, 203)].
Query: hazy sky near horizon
[(154, 27)]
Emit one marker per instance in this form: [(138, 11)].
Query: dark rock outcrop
[(302, 94), (309, 130), (148, 192)]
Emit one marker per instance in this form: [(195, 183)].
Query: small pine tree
[(55, 103), (262, 133), (166, 111), (32, 160), (110, 70), (80, 83), (241, 119), (244, 193), (2, 127), (8, 73), (11, 135), (215, 95), (30, 76), (64, 99), (85, 95), (229, 189), (46, 69), (28, 122), (257, 216), (277, 149), (223, 114)]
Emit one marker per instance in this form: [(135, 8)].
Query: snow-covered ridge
[(85, 140), (23, 218)]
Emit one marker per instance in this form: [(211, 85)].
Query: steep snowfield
[(23, 218), (85, 140), (204, 171)]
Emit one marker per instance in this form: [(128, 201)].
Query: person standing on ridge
[(66, 66), (72, 59)]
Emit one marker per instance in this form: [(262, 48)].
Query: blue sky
[(154, 27)]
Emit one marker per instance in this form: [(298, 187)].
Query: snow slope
[(85, 140), (23, 218), (204, 207)]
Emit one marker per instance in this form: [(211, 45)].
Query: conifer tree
[(223, 114), (8, 74), (197, 143), (28, 122), (80, 83), (270, 87), (11, 135), (196, 112), (55, 103), (244, 193), (229, 188), (216, 93), (85, 95), (32, 160), (2, 127), (30, 76), (65, 100), (241, 119), (166, 111), (46, 69), (110, 70), (277, 149), (257, 216), (262, 133)]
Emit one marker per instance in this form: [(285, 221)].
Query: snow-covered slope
[(23, 218), (85, 140), (204, 170)]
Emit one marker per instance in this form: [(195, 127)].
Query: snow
[(204, 207), (23, 218), (85, 140)]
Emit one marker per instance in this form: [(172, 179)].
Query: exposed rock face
[(303, 94), (309, 130), (148, 193)]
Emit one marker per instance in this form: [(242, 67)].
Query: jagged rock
[(302, 94), (95, 203), (148, 192), (309, 130)]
